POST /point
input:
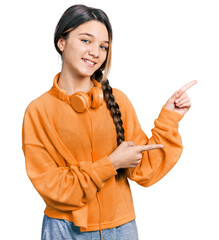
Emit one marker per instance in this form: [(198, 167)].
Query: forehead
[(96, 28)]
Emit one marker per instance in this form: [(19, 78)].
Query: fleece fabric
[(66, 157)]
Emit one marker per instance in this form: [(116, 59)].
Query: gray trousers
[(59, 229)]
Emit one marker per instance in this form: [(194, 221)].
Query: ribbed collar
[(62, 94)]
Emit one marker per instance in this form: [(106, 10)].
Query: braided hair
[(116, 115)]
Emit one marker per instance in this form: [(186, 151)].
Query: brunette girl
[(82, 139)]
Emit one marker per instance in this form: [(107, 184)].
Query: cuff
[(170, 117), (104, 168), (101, 171)]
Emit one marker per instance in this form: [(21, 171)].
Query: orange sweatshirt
[(66, 156)]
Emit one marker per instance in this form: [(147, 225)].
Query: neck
[(71, 82)]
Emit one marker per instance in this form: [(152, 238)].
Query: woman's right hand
[(128, 154)]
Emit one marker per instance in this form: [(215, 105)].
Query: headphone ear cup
[(96, 96), (80, 101)]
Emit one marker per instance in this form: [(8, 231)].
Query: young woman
[(82, 139)]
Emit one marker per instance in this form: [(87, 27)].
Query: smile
[(88, 63)]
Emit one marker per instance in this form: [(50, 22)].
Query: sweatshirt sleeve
[(65, 188), (154, 164)]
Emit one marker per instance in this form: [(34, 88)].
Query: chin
[(87, 73)]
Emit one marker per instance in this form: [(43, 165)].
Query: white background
[(158, 46)]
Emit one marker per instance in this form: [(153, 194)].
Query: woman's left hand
[(180, 102)]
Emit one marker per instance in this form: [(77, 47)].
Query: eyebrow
[(90, 35)]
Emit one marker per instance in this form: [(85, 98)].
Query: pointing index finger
[(188, 85), (147, 147)]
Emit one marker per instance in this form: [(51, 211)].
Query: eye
[(85, 40), (105, 48)]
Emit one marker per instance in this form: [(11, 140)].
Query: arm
[(156, 163), (62, 187)]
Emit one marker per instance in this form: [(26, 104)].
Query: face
[(85, 50)]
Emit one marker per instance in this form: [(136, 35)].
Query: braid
[(116, 115)]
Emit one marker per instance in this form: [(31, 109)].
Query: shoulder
[(125, 105), (120, 96), (38, 103), (36, 114)]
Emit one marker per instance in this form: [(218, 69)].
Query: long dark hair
[(71, 19)]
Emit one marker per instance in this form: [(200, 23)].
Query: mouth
[(88, 62)]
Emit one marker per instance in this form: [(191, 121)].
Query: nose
[(94, 51)]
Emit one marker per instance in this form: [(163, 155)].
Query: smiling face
[(85, 50)]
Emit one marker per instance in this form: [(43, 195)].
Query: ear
[(61, 44)]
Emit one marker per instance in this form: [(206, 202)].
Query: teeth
[(88, 61)]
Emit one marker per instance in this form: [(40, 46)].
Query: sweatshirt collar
[(62, 94)]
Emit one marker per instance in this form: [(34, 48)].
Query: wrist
[(113, 162)]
